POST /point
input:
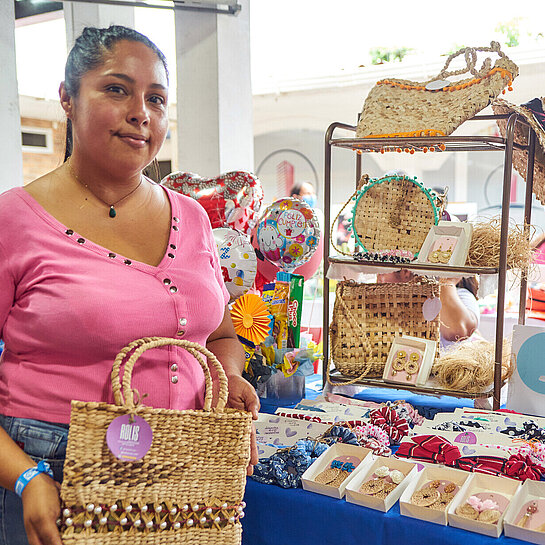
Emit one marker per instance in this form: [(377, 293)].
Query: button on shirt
[(68, 306)]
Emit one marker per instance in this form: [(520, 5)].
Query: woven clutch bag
[(367, 317), (436, 107), (188, 487), (394, 212)]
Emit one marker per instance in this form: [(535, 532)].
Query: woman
[(459, 315), (92, 256)]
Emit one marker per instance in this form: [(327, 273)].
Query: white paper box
[(283, 431), (530, 490), (364, 472), (324, 461), (461, 232), (430, 474), (428, 349), (480, 482)]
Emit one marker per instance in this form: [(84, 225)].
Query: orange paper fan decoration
[(251, 318)]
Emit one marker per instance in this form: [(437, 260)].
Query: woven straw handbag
[(436, 107), (391, 213), (367, 317), (187, 488)]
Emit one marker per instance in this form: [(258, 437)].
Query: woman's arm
[(224, 344), (41, 504), (457, 321)]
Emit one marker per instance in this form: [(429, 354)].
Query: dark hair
[(88, 53), (470, 284), (297, 187)]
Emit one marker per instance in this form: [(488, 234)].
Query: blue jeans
[(41, 441)]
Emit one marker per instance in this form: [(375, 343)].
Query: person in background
[(94, 255), (304, 191), (459, 314)]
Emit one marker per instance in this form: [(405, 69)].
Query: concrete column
[(78, 15), (214, 91), (11, 155)]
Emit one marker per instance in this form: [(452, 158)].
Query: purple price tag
[(127, 441)]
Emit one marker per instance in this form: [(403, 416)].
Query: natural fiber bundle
[(469, 366), (485, 245)]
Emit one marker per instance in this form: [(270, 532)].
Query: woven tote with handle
[(404, 108), (367, 317), (187, 489)]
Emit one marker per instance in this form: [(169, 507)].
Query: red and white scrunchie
[(388, 420)]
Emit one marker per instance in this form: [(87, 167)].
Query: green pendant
[(113, 213)]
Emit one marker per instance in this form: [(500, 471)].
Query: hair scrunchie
[(388, 420)]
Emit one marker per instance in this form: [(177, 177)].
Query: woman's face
[(119, 118)]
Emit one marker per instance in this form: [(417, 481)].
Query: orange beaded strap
[(504, 74), (470, 56)]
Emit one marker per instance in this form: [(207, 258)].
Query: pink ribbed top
[(68, 305)]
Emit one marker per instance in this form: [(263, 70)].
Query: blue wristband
[(29, 474)]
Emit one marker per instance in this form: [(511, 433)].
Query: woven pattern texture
[(393, 214), (401, 107), (195, 468), (367, 317), (520, 157)]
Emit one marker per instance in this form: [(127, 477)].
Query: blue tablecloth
[(275, 516), (427, 406)]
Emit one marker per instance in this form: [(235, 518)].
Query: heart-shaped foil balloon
[(231, 200)]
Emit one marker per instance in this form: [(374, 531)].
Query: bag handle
[(355, 324), (139, 346), (363, 180), (470, 55)]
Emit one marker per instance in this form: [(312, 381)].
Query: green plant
[(511, 31), (380, 55)]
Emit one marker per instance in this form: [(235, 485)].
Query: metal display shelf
[(441, 144), (429, 389), (416, 267)]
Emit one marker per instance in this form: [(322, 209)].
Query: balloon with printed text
[(288, 233)]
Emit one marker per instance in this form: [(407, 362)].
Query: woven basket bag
[(367, 317), (187, 489), (394, 212), (403, 108)]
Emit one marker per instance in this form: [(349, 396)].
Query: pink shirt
[(68, 305)]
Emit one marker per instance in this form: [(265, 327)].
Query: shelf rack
[(441, 144)]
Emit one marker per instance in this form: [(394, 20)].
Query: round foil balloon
[(288, 233), (237, 259)]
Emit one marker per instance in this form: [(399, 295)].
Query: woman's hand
[(242, 396), (41, 509)]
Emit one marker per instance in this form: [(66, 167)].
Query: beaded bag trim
[(151, 517)]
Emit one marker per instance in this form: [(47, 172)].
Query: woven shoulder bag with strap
[(403, 108)]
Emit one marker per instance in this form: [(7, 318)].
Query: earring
[(413, 365), (445, 255), (434, 256), (530, 510), (399, 363)]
